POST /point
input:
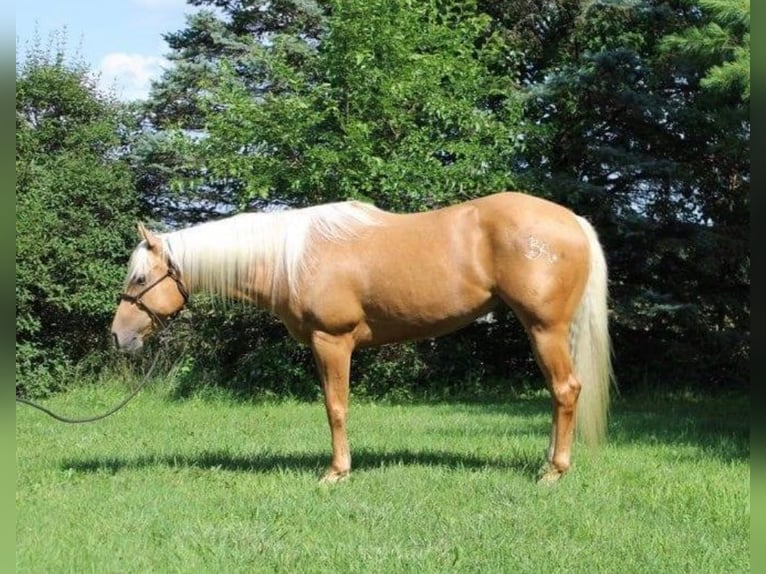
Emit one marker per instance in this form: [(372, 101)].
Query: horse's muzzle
[(129, 344)]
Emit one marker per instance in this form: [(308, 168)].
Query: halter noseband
[(136, 299)]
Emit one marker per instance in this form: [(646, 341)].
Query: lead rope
[(111, 411)]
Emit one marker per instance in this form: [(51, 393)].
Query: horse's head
[(154, 291)]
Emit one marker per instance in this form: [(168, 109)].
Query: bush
[(75, 214), (248, 352)]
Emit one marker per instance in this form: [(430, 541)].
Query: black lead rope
[(111, 411)]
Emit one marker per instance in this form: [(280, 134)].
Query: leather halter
[(138, 302)]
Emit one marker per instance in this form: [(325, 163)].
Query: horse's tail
[(591, 346)]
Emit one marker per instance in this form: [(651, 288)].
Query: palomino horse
[(347, 275)]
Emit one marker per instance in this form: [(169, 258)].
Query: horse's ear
[(151, 240)]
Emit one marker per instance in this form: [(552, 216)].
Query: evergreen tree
[(639, 133)]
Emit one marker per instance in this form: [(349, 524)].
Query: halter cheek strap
[(138, 302)]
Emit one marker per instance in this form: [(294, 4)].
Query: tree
[(174, 177), (305, 102), (398, 107), (635, 113), (75, 215), (639, 130), (719, 46), (397, 102)]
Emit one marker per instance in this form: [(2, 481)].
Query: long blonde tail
[(590, 346)]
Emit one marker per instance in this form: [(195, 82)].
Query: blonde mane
[(223, 257)]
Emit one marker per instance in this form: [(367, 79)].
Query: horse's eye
[(141, 280)]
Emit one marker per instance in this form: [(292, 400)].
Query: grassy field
[(218, 486)]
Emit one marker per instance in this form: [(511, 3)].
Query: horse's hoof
[(549, 475), (334, 476)]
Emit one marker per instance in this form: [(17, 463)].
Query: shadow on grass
[(718, 426), (521, 463)]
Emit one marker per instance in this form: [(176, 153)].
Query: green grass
[(212, 485)]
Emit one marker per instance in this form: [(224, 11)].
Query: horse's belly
[(407, 314)]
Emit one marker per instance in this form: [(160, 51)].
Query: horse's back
[(522, 212)]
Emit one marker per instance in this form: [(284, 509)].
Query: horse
[(346, 275)]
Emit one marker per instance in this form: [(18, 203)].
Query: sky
[(121, 40)]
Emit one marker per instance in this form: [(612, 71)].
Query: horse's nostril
[(116, 340)]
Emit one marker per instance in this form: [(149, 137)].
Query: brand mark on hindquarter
[(539, 249)]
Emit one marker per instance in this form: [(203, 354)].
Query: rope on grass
[(110, 412)]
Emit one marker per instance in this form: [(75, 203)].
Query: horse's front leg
[(333, 358)]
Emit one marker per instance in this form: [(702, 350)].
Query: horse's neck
[(256, 281), (261, 257)]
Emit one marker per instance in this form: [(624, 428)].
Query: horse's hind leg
[(551, 443), (333, 359), (551, 347)]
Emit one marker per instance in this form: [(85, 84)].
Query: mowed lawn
[(214, 485)]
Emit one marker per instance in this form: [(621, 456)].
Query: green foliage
[(633, 135), (240, 348), (634, 113), (396, 104), (75, 212), (248, 352), (720, 45), (631, 112)]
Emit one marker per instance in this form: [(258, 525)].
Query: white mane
[(223, 256)]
